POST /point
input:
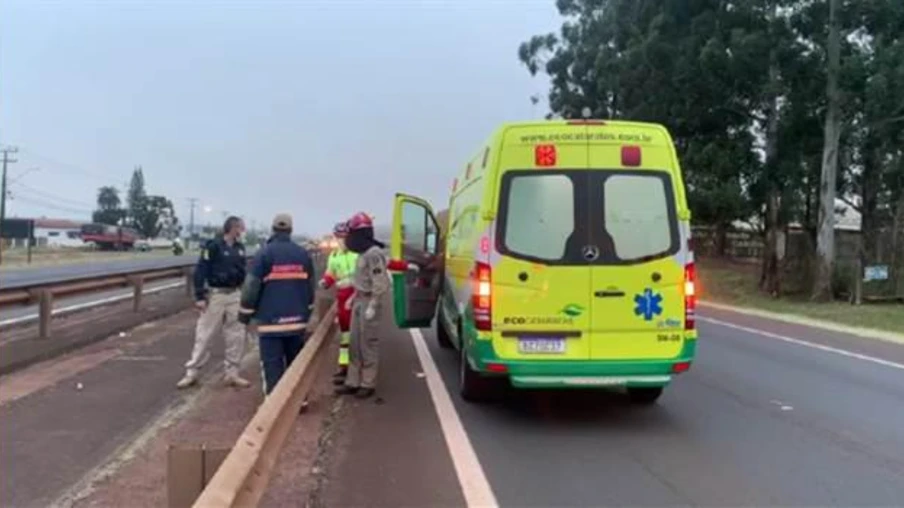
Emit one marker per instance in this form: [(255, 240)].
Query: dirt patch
[(300, 465), (216, 419), (327, 449)]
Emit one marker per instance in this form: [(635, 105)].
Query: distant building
[(846, 219), (57, 233)]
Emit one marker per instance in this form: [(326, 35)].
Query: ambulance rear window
[(539, 215), (587, 216), (638, 216)]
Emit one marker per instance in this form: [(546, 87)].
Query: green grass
[(736, 284), (18, 259)]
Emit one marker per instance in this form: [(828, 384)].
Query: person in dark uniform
[(218, 276), (278, 299)]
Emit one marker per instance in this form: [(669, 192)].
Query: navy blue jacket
[(279, 291), (220, 266)]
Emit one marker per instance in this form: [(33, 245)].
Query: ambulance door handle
[(609, 294)]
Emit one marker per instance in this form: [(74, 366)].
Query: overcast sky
[(318, 108)]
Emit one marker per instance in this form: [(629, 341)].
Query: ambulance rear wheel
[(442, 336), (472, 386), (646, 396)]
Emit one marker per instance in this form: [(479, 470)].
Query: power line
[(51, 206), (49, 195), (70, 166)]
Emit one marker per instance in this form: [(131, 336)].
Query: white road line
[(88, 305), (473, 481), (790, 340)]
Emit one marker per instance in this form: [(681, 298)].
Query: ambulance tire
[(646, 396), (472, 386), (442, 336)]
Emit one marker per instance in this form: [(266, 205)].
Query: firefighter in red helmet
[(368, 312)]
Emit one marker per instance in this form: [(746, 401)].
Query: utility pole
[(6, 160), (191, 220)]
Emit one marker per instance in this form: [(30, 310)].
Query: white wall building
[(56, 233)]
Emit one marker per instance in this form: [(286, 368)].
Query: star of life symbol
[(648, 304)]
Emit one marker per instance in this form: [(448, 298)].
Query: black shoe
[(339, 381), (364, 393), (346, 390)]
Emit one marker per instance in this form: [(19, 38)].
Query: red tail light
[(482, 296), (680, 367), (498, 368), (690, 295)]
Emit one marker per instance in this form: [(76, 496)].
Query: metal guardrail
[(244, 475), (43, 294)]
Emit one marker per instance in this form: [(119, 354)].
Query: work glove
[(398, 265), (327, 281), (370, 312)]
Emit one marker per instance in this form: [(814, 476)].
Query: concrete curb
[(868, 333)]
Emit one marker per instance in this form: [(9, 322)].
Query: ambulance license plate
[(545, 345)]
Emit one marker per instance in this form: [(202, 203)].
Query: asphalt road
[(64, 418), (55, 273), (758, 421), (10, 315)]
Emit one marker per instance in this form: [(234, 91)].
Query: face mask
[(357, 242)]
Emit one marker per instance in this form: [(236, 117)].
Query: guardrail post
[(45, 313), (189, 281), (137, 282)]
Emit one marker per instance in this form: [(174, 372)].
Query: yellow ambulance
[(567, 261)]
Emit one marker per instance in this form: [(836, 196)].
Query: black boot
[(364, 393), (346, 390)]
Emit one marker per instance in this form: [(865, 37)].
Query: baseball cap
[(282, 221)]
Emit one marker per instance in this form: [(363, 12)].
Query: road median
[(216, 419), (21, 346)]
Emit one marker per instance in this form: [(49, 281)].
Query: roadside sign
[(16, 228), (875, 272)]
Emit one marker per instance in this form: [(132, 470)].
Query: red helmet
[(341, 230), (360, 221)]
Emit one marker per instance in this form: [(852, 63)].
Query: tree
[(137, 198), (109, 206), (696, 67), (156, 216), (775, 107), (825, 246)]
